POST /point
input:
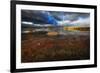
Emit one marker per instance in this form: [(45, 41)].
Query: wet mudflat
[(41, 48)]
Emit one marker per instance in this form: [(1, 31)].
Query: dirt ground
[(54, 48)]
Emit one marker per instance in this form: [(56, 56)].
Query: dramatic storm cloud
[(56, 18)]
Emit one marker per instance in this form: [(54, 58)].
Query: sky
[(56, 18)]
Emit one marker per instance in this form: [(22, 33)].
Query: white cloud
[(25, 22), (83, 22), (63, 22)]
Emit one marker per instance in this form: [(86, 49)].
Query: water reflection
[(58, 30)]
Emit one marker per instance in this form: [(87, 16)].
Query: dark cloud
[(51, 17), (69, 15)]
